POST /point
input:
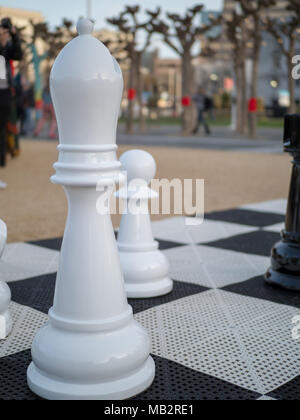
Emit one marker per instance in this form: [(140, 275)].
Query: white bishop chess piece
[(145, 268), (5, 295), (91, 348)]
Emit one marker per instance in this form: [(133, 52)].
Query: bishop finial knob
[(85, 27), (139, 165)]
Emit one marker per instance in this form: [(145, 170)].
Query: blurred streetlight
[(274, 84), (214, 77)]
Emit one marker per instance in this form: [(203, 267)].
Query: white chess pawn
[(145, 268), (91, 348), (5, 295)]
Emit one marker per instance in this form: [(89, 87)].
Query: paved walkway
[(268, 140), (222, 138), (33, 208)]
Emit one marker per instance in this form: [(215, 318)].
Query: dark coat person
[(10, 49)]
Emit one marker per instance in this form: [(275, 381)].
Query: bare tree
[(237, 35), (253, 11), (127, 23), (181, 33), (116, 44), (57, 39), (286, 31)]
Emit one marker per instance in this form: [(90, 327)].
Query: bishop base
[(106, 365), (121, 389)]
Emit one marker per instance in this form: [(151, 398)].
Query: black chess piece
[(285, 266)]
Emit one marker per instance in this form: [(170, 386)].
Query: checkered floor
[(221, 334)]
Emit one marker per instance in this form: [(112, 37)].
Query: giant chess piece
[(145, 268), (91, 348), (5, 295), (285, 267)]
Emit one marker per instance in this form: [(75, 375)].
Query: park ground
[(235, 171)]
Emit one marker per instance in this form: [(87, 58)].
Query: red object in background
[(12, 68), (39, 104), (228, 84), (252, 106), (131, 94), (186, 101)]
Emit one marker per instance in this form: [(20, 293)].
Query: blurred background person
[(201, 101), (210, 108), (27, 122), (10, 49)]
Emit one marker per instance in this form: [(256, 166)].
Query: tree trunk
[(241, 95), (188, 123), (130, 113), (239, 124), (253, 115), (140, 89), (254, 81), (241, 82), (292, 108), (244, 97)]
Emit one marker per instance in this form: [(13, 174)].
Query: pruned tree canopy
[(128, 23), (180, 32), (286, 28)]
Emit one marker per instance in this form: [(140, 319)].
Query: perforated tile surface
[(175, 230), (273, 206), (27, 322), (222, 334), (213, 267), (21, 261)]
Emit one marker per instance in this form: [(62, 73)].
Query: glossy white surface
[(5, 295), (91, 348), (145, 268), (86, 87), (139, 165)]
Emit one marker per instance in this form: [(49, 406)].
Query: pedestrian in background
[(27, 124), (10, 49), (201, 101)]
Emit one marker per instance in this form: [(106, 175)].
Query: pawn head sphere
[(139, 165)]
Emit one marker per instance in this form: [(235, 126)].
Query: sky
[(55, 10)]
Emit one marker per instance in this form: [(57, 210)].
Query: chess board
[(222, 334)]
